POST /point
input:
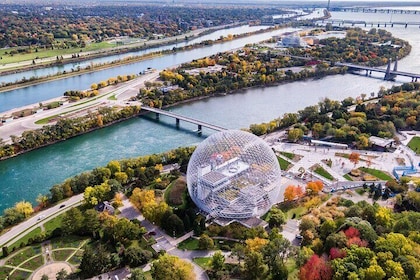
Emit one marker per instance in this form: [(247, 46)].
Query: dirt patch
[(51, 270)]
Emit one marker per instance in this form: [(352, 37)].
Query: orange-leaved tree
[(314, 187), (354, 157), (292, 192)]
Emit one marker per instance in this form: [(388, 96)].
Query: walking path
[(164, 241)]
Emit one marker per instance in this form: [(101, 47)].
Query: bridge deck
[(381, 70), (183, 118)]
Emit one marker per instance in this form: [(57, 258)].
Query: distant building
[(291, 41), (380, 144)]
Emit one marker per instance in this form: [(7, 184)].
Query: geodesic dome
[(234, 175)]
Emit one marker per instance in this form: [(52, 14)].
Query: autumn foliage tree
[(292, 192), (354, 157), (316, 268), (314, 187)]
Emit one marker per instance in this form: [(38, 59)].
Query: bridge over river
[(177, 117)]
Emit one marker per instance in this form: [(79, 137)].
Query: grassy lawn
[(52, 224), (414, 144), (204, 262), (77, 258), (288, 155), (23, 255), (61, 255), (348, 177), (284, 164), (67, 242), (24, 240), (176, 193), (19, 275), (4, 271), (298, 211), (189, 244), (321, 171), (112, 97), (377, 173), (44, 53), (34, 263)]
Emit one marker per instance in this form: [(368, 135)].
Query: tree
[(374, 272), (254, 267), (24, 208), (72, 221), (295, 134), (135, 256), (172, 267), (95, 261), (292, 192), (354, 157), (99, 193), (140, 198), (316, 268), (44, 277), (91, 223), (314, 187), (217, 261), (255, 244), (137, 274), (42, 200), (277, 218), (205, 242), (62, 274)]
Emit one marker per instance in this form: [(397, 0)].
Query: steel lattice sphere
[(234, 175)]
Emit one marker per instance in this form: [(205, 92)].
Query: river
[(26, 176), (40, 92)]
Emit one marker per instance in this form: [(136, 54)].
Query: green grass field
[(321, 171), (203, 262), (414, 144), (45, 53), (24, 240), (189, 244), (377, 173), (52, 224), (348, 177), (284, 164), (288, 155)]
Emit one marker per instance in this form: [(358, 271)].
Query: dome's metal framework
[(234, 175)]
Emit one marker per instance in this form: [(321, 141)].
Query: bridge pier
[(177, 122), (157, 116)]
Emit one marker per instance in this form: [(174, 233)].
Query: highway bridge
[(178, 118), (370, 23)]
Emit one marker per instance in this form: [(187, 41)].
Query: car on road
[(41, 217), (62, 206)]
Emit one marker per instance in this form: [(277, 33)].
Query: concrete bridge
[(371, 23), (177, 117), (389, 74), (375, 10)]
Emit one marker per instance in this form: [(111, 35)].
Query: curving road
[(18, 231)]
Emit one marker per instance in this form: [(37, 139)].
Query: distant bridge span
[(177, 117)]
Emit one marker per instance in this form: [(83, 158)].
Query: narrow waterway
[(38, 93), (69, 66)]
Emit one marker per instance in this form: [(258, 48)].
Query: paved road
[(39, 219), (122, 92)]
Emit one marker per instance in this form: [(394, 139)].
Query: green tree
[(205, 242), (171, 267), (254, 267), (137, 274), (95, 261), (374, 272), (62, 274), (295, 134), (72, 221), (217, 261)]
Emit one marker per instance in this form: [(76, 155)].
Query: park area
[(47, 258)]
